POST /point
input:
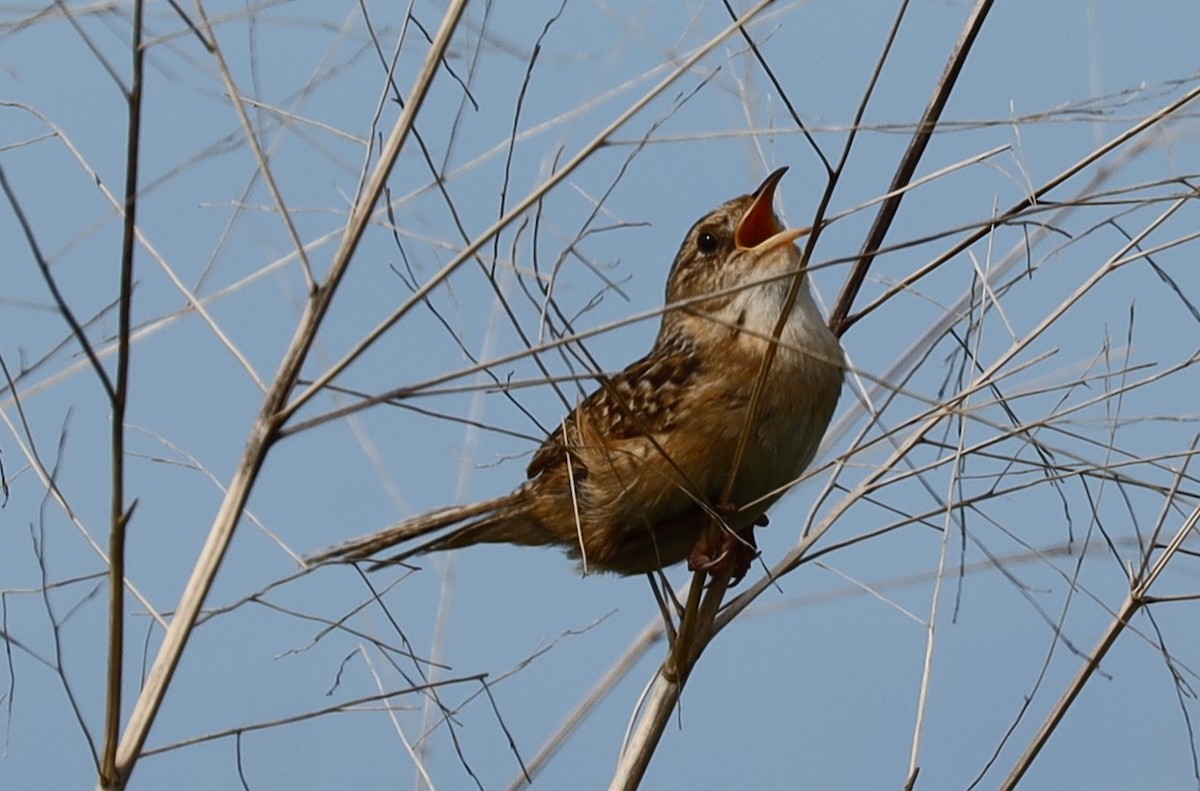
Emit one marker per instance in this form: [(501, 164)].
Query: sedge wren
[(632, 479)]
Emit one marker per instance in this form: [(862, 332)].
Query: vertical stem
[(695, 632), (840, 320), (1137, 598), (1124, 614), (664, 695), (118, 515), (271, 417)]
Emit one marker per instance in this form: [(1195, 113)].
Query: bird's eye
[(707, 243)]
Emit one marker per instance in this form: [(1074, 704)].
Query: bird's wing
[(642, 400)]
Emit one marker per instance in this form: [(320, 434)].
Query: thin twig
[(263, 434), (840, 320), (516, 211), (119, 514)]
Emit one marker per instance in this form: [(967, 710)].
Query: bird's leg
[(720, 548)]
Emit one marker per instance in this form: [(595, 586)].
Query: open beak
[(758, 229)]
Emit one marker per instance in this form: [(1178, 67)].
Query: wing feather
[(642, 400)]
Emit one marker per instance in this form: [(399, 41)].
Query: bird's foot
[(730, 551)]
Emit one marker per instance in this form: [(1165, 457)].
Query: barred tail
[(500, 520)]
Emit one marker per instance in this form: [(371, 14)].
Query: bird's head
[(738, 244)]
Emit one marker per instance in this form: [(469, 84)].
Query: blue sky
[(819, 684)]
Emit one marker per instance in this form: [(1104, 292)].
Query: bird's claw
[(735, 553)]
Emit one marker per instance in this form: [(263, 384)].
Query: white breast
[(802, 389)]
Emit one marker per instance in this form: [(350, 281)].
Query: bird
[(632, 479)]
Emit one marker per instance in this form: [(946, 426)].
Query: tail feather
[(364, 546), (499, 527), (499, 520)]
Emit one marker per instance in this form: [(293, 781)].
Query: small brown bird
[(632, 478)]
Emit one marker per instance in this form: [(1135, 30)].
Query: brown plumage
[(633, 476)]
